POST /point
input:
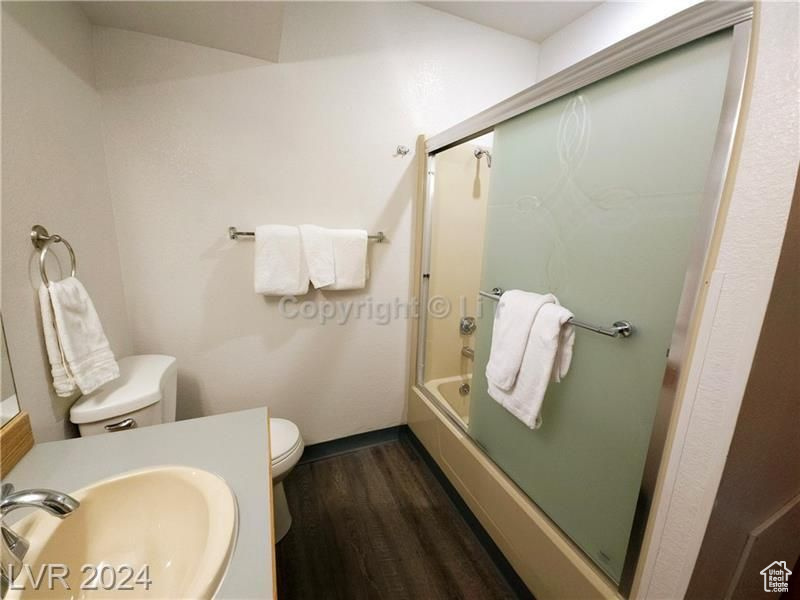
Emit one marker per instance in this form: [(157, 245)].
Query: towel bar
[(617, 329), (235, 234)]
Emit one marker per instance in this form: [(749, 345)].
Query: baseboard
[(350, 443), (514, 581)]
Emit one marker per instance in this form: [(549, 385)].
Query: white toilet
[(286, 446), (144, 395)]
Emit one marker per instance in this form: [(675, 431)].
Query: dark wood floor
[(375, 523)]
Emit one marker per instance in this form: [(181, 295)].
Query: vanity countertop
[(235, 446)]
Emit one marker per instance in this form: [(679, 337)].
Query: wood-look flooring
[(375, 523)]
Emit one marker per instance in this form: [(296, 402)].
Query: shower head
[(482, 152)]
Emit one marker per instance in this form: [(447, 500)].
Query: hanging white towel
[(77, 348), (279, 264), (513, 319), (63, 383), (547, 356), (349, 258), (318, 250), (556, 317)]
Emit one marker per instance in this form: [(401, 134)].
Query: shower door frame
[(685, 27)]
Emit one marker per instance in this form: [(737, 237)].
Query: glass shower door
[(596, 197)]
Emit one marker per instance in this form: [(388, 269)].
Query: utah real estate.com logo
[(776, 577)]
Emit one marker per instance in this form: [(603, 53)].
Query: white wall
[(600, 28), (53, 174), (199, 139)]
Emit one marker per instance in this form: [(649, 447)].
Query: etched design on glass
[(566, 207), (573, 134), (528, 203)]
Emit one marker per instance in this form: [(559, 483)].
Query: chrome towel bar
[(617, 329), (235, 234)]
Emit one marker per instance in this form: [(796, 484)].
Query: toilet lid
[(284, 437)]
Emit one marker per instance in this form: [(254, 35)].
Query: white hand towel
[(516, 311), (318, 250), (63, 383), (77, 347), (350, 259), (547, 357), (280, 267)]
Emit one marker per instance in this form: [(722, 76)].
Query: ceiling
[(253, 29), (534, 21)]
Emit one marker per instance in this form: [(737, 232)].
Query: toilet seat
[(286, 446)]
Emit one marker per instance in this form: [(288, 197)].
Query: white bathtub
[(447, 391)]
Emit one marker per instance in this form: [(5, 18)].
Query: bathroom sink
[(180, 521)]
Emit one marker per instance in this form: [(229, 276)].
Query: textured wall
[(199, 139), (762, 472), (53, 174)]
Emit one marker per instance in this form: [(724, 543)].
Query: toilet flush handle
[(122, 425)]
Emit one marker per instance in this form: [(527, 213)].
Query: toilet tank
[(144, 394)]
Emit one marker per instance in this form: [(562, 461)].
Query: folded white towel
[(516, 311), (279, 265), (77, 347), (318, 250), (547, 356), (350, 258)]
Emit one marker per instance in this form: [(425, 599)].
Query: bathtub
[(447, 391)]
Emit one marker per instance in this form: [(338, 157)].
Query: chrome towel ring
[(41, 240)]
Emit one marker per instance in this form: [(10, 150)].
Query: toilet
[(286, 447), (144, 394)]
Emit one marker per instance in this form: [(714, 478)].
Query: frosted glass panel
[(596, 197)]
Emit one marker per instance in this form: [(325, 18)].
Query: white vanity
[(196, 444)]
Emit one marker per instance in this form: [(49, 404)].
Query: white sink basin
[(180, 521)]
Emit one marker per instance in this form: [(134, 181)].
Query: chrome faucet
[(13, 546), (57, 504)]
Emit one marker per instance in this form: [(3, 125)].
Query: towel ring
[(42, 240)]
